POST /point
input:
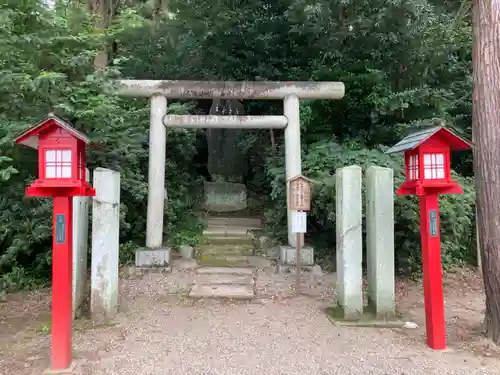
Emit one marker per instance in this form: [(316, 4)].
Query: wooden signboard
[(299, 203), (300, 194)]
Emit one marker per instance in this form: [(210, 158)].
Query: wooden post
[(433, 273), (478, 246), (299, 204), (62, 272), (297, 256)]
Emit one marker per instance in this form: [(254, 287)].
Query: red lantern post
[(428, 174), (61, 175)]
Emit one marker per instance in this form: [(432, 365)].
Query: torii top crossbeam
[(232, 89)]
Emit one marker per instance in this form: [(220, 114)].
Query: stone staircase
[(227, 264)]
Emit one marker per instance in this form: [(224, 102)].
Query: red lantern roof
[(30, 137), (416, 139)]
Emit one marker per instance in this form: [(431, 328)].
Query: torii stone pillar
[(160, 91), (156, 172), (293, 160)]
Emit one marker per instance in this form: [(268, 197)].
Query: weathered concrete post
[(380, 240), (349, 241), (80, 247), (293, 161), (156, 172), (105, 244)]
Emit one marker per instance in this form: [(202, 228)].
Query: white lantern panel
[(413, 167), (58, 164), (66, 172), (427, 160), (50, 172), (50, 156), (440, 159), (434, 166), (66, 156)]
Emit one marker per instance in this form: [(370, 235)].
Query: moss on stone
[(368, 318)]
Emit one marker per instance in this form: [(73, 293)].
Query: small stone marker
[(289, 258), (225, 196), (186, 251), (299, 202)]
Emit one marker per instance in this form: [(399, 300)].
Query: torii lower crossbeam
[(226, 122)]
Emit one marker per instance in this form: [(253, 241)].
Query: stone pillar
[(349, 241), (156, 172), (293, 161), (380, 240), (105, 244), (80, 247)]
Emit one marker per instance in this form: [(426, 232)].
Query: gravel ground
[(159, 331), (288, 337)]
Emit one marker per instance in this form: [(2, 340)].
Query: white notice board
[(299, 222)]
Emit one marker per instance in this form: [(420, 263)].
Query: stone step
[(246, 240), (225, 249), (226, 231), (218, 279), (241, 292), (223, 260), (249, 222), (225, 271), (228, 257)]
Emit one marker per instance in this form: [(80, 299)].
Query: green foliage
[(47, 65), (127, 252), (6, 171)]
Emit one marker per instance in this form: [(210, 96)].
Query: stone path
[(226, 259)]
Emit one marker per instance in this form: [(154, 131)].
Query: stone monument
[(225, 162)]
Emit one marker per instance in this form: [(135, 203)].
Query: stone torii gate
[(159, 91)]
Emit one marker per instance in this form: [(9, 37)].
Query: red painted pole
[(61, 283), (433, 274)]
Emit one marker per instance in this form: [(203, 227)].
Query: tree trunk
[(486, 137), (104, 10)]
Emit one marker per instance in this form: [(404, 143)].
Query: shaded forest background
[(405, 64)]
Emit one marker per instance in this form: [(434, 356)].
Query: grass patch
[(216, 261)]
